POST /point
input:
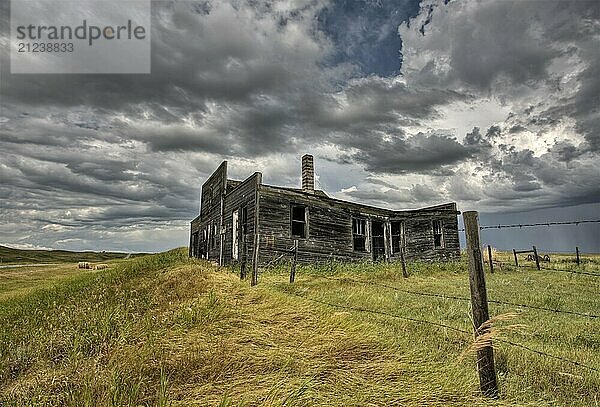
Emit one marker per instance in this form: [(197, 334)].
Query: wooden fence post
[(491, 259), (293, 266), (537, 259), (485, 355), (255, 260), (577, 254), (403, 261), (244, 258), (516, 261), (256, 241)]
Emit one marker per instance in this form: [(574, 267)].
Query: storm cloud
[(403, 105)]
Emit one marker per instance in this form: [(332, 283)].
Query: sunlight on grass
[(167, 330)]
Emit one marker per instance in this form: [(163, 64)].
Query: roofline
[(241, 183), (435, 208), (214, 173), (324, 196)]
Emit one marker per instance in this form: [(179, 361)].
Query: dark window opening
[(398, 239), (359, 238), (377, 239), (438, 234), (298, 221)]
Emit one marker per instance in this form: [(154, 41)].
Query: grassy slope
[(165, 330), (9, 255)]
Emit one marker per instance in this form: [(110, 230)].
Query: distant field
[(166, 330), (21, 280), (9, 255)]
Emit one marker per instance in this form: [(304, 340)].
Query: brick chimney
[(308, 174)]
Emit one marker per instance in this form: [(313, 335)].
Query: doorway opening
[(378, 240)]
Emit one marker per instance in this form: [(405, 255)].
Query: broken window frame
[(359, 234), (399, 238), (299, 222), (437, 227)]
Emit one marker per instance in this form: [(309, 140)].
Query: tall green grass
[(166, 330)]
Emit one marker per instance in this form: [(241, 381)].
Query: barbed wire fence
[(533, 254), (453, 297), (481, 318), (442, 325), (529, 225)]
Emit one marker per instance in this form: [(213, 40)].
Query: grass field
[(9, 255), (166, 330)]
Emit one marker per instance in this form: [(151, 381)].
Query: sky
[(494, 105)]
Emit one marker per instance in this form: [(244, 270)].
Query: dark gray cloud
[(495, 106), (485, 42), (418, 153)]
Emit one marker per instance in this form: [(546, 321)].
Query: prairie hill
[(9, 255), (165, 330)]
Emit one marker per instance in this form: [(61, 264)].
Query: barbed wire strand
[(523, 225), (453, 297), (532, 267), (571, 271), (439, 324), (371, 311), (285, 251), (528, 225), (539, 352)]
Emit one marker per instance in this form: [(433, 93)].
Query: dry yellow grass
[(166, 330)]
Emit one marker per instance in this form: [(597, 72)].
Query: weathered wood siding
[(212, 195), (195, 228), (329, 228), (243, 195), (419, 233)]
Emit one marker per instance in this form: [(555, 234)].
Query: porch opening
[(378, 239)]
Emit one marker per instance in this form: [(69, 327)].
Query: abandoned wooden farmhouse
[(262, 222)]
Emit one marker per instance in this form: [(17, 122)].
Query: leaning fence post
[(403, 261), (485, 355), (244, 258), (293, 266), (491, 259), (254, 280), (537, 259), (516, 261), (256, 240), (577, 254)]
